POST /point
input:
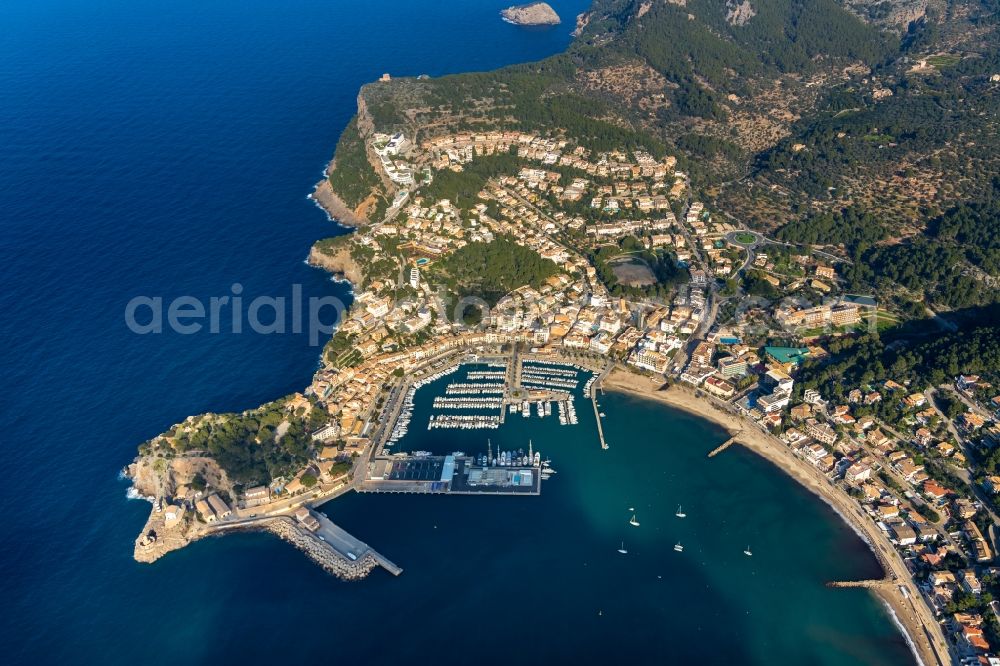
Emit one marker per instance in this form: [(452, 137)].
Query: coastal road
[(320, 494), (749, 247), (704, 326), (963, 472), (973, 407), (387, 418)]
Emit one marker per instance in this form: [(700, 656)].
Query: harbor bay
[(560, 518), (564, 543)]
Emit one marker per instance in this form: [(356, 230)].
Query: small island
[(533, 13)]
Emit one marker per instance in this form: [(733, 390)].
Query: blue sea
[(165, 149)]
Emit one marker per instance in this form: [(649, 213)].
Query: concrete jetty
[(722, 447), (597, 417), (349, 546), (593, 399), (867, 584), (329, 546)]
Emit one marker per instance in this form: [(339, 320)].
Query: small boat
[(680, 512), (747, 552), (633, 522), (679, 548), (622, 549)]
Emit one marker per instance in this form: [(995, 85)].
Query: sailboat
[(747, 552), (633, 522), (622, 549), (680, 512), (679, 548)]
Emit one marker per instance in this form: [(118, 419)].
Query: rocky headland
[(328, 200), (335, 257)]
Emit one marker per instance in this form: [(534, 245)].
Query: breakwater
[(319, 551)]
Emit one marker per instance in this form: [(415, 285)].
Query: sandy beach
[(897, 589)]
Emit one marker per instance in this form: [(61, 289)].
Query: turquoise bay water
[(166, 148), (549, 565)]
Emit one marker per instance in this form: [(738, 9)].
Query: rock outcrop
[(335, 207), (582, 21), (535, 13), (338, 261), (739, 13)]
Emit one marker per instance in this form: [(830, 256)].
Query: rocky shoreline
[(149, 549), (154, 479), (340, 264), (334, 206)]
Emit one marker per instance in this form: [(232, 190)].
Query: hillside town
[(738, 317), (911, 476)]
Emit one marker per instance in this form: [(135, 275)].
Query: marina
[(567, 413), (402, 423), (507, 473), (485, 395), (464, 421), (479, 375), (467, 403), (544, 382), (475, 389), (655, 494), (535, 366), (477, 394)]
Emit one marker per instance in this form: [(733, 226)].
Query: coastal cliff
[(159, 479), (328, 200), (335, 256), (355, 190), (535, 13)]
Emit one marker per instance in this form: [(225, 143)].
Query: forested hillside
[(491, 270), (687, 56), (934, 361), (869, 128)]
